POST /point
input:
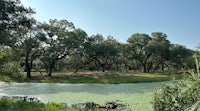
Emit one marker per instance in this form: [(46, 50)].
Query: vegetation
[(59, 46), (93, 77), (182, 95), (20, 105), (12, 105)]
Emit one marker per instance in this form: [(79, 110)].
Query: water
[(137, 95)]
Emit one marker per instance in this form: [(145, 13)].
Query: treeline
[(58, 45)]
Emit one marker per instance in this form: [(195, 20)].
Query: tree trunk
[(117, 67), (103, 67), (144, 68), (50, 70), (162, 67), (76, 70), (149, 67), (28, 73), (126, 67), (28, 68)]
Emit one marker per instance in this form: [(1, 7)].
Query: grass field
[(95, 77)]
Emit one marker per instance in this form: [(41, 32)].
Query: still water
[(137, 95)]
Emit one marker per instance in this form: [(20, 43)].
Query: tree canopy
[(59, 45)]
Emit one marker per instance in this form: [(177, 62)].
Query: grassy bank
[(20, 105), (11, 105), (95, 77)]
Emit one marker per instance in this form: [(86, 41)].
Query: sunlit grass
[(12, 105), (94, 77), (5, 78)]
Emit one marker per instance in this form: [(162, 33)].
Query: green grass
[(5, 78), (95, 77), (11, 105)]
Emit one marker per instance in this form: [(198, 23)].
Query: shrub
[(182, 95), (179, 96), (11, 69), (55, 107), (11, 105)]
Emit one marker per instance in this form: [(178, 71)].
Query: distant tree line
[(58, 45)]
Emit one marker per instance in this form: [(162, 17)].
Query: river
[(137, 95)]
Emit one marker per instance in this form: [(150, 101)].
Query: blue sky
[(179, 19)]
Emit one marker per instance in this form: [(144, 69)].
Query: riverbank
[(25, 103), (94, 77), (12, 105)]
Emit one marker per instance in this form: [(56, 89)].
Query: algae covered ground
[(135, 90), (137, 95)]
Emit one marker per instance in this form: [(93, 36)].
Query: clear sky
[(179, 19)]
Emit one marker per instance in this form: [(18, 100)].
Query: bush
[(181, 95), (55, 107), (7, 104), (11, 69), (11, 105)]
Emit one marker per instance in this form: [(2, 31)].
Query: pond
[(137, 95)]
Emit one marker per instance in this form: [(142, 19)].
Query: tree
[(179, 56), (30, 48), (100, 50), (60, 40), (124, 57), (138, 46), (6, 54), (13, 18), (160, 47), (78, 61), (78, 57)]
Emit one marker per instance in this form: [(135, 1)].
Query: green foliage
[(55, 107), (101, 50), (182, 95), (60, 40), (14, 17), (6, 54), (11, 69), (181, 57), (139, 51), (11, 105), (179, 96)]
